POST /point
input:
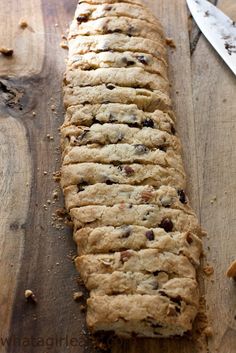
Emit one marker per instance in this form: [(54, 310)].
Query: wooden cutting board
[(34, 254)]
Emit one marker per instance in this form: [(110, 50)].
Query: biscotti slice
[(98, 2), (115, 42), (108, 25), (93, 61), (116, 113), (134, 174), (110, 239), (142, 215), (134, 77), (88, 11), (118, 154), (117, 282), (139, 315), (149, 261), (72, 135), (109, 195), (145, 99)]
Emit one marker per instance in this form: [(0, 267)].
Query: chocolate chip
[(128, 170), (126, 231), (82, 18), (142, 59), (148, 123), (127, 61), (162, 148), (110, 86), (150, 235), (130, 206), (182, 196), (166, 224), (81, 186), (109, 182), (173, 131), (189, 238), (140, 149)]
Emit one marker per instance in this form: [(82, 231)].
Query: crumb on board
[(231, 272), (33, 113), (78, 296), (64, 45), (56, 176), (82, 308), (208, 331), (30, 296), (170, 42), (208, 270), (6, 51), (23, 23)]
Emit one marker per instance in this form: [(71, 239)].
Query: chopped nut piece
[(23, 24), (63, 45), (231, 272), (208, 331), (77, 296), (170, 42), (6, 51), (29, 295), (208, 270)]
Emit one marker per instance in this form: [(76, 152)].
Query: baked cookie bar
[(130, 114), (108, 25), (138, 240), (112, 133), (88, 11), (93, 61)]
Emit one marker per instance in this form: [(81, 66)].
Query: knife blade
[(218, 28)]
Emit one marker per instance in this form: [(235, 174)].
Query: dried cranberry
[(150, 235), (166, 224), (110, 86), (82, 18), (182, 196), (142, 59), (81, 186), (148, 123), (128, 170)]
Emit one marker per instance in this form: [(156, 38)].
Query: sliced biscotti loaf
[(118, 154), (118, 282), (134, 174), (139, 315), (112, 77), (144, 98), (122, 175), (117, 113), (111, 133), (127, 59), (109, 195), (147, 261), (116, 42), (142, 215), (88, 11), (98, 2), (110, 239), (108, 25)]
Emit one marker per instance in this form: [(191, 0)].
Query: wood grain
[(215, 119), (28, 44), (33, 253)]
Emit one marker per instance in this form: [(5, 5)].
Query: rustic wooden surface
[(33, 253)]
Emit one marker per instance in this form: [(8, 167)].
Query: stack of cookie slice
[(122, 175)]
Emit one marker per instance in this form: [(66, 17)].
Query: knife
[(219, 29)]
